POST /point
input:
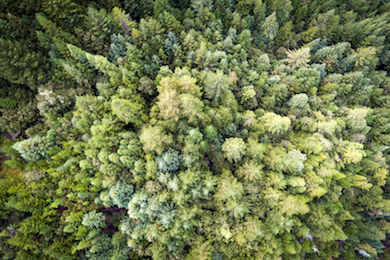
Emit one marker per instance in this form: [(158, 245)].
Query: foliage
[(234, 149), (33, 149), (93, 219), (216, 85), (168, 161), (298, 58), (202, 129), (120, 194), (19, 65)]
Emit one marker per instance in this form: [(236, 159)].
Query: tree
[(99, 62), (123, 20), (247, 93), (228, 188), (154, 139), (250, 172), (234, 149), (99, 22), (93, 219), (269, 28), (169, 160), (128, 111), (299, 158), (216, 85), (202, 250), (191, 107), (298, 58), (120, 194), (274, 123), (33, 149), (19, 65), (299, 100)]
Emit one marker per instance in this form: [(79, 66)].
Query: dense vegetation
[(194, 129)]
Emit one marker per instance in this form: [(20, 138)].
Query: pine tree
[(234, 149), (138, 9), (33, 149), (202, 250), (269, 28), (155, 139), (282, 8), (93, 219), (216, 85), (128, 111), (99, 22), (19, 65), (123, 20), (64, 12), (298, 58), (274, 123)]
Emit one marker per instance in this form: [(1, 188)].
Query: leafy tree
[(298, 58), (99, 23), (203, 251), (299, 100), (169, 161), (202, 129), (120, 194)]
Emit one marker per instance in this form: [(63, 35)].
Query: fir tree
[(20, 65), (216, 85)]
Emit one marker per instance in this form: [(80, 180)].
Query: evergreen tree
[(20, 65), (216, 85)]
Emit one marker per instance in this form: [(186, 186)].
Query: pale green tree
[(216, 85), (274, 123), (234, 149), (155, 139)]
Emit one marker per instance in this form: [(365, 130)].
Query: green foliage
[(99, 62), (62, 11), (8, 103), (299, 100), (154, 138), (274, 123), (216, 85), (298, 158), (194, 129), (33, 149), (234, 149), (269, 28), (138, 9), (93, 219), (123, 20), (169, 160), (201, 251), (127, 111), (99, 23), (120, 194), (20, 65)]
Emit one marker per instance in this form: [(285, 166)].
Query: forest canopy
[(194, 129)]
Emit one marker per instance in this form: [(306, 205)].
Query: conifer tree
[(269, 28), (216, 85), (20, 65)]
